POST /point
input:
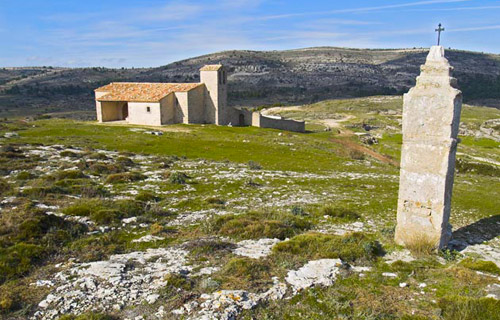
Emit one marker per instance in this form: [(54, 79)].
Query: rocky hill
[(256, 77)]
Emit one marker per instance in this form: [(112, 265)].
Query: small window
[(148, 109)]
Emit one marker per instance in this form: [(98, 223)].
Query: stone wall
[(196, 103), (138, 113), (276, 122), (167, 109)]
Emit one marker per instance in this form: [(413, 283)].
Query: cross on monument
[(439, 30)]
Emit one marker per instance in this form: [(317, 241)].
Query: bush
[(105, 216), (244, 273), (254, 165), (340, 213), (356, 155), (124, 161), (314, 246), (4, 187), (480, 265), (68, 174), (97, 156), (69, 154), (83, 208), (298, 211), (124, 177), (177, 178), (88, 316), (464, 166), (146, 196), (257, 225), (19, 259), (24, 175), (215, 201), (465, 308), (105, 168)]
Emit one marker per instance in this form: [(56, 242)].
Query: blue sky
[(143, 33)]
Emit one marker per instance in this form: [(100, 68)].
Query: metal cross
[(439, 30)]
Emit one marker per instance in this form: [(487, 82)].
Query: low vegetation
[(64, 196)]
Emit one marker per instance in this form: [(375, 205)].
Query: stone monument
[(431, 116)]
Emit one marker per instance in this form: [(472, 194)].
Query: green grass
[(257, 225), (370, 198), (313, 246)]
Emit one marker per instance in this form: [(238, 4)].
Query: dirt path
[(351, 145)]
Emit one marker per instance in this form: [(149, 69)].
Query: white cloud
[(493, 27), (359, 10)]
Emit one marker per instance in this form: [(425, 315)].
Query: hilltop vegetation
[(111, 222), (255, 78)]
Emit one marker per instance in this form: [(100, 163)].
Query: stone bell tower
[(215, 79), (431, 116)]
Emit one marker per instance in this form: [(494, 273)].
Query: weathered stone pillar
[(431, 116)]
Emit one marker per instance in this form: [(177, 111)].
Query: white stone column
[(431, 116)]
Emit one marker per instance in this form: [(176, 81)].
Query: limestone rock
[(322, 272)]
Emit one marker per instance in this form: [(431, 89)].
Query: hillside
[(256, 77), (111, 222)]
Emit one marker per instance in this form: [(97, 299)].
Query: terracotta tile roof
[(142, 91), (211, 67)]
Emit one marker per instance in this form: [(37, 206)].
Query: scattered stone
[(389, 275), (148, 238), (317, 272), (401, 255), (255, 248), (11, 135), (102, 285)]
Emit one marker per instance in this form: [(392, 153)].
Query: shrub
[(356, 155), (464, 166), (244, 273), (105, 168), (480, 265), (254, 165), (465, 308), (24, 175), (124, 177), (177, 178), (97, 156), (167, 163), (88, 316), (4, 187), (124, 161), (340, 213), (178, 281), (216, 201), (146, 196), (19, 259), (298, 211), (83, 208), (105, 216), (68, 174), (313, 246), (69, 154), (256, 225)]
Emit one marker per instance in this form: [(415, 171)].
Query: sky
[(148, 33)]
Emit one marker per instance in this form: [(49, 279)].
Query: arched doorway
[(241, 120), (125, 111)]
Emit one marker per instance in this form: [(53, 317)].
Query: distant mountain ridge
[(256, 77)]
